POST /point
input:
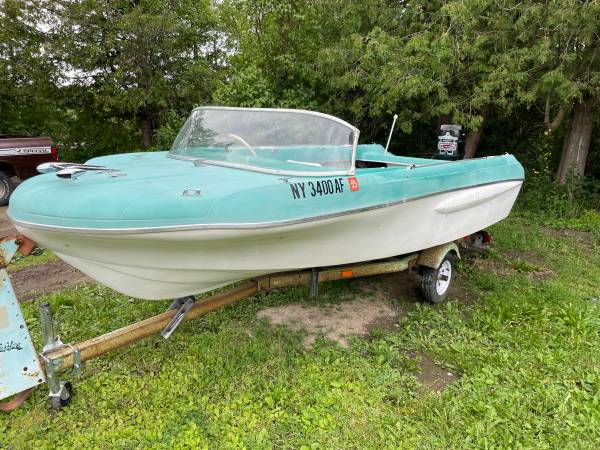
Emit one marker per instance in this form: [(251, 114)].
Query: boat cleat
[(73, 170)]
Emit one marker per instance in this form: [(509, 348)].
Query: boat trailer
[(22, 368)]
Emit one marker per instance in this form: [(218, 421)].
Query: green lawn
[(522, 332), (19, 262)]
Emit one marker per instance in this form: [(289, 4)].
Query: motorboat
[(245, 192)]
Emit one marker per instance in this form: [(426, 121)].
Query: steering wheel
[(248, 146)]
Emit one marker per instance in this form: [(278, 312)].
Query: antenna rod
[(391, 131)]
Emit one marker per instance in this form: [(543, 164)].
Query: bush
[(575, 205)]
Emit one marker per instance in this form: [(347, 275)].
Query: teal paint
[(150, 192), (20, 368)]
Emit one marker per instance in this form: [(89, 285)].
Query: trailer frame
[(56, 356)]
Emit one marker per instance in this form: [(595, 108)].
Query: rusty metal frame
[(433, 257)]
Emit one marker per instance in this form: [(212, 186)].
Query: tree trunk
[(474, 136), (147, 127), (552, 125), (443, 119), (577, 142), (472, 142)]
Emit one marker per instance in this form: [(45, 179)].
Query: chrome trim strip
[(208, 162), (218, 226), (291, 110), (441, 162), (43, 150), (351, 171)]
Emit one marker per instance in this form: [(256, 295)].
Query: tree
[(559, 59), (27, 76), (472, 61), (288, 53), (427, 60), (138, 58), (273, 45), (577, 141), (576, 47)]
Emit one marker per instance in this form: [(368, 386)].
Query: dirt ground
[(374, 308), (434, 377), (40, 279), (33, 281), (6, 227), (336, 322)]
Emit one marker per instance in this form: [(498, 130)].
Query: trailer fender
[(433, 257)]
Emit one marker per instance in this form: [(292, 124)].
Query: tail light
[(54, 153)]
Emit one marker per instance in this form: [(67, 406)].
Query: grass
[(21, 263), (527, 351)]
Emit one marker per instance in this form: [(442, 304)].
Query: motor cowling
[(451, 143)]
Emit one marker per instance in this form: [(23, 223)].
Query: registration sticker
[(353, 182)]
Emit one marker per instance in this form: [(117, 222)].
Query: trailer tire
[(6, 188), (64, 399), (435, 283)]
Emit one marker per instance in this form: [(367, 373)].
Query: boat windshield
[(280, 141)]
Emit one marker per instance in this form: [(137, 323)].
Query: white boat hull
[(176, 263)]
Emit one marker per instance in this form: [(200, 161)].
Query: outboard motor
[(451, 143)]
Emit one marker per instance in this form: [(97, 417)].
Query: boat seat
[(370, 164)]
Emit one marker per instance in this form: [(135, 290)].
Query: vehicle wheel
[(66, 395), (6, 188), (435, 283)]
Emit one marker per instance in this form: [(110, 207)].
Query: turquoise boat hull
[(150, 193), (158, 227)]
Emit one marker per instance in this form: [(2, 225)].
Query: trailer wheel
[(6, 188), (435, 283), (66, 395)]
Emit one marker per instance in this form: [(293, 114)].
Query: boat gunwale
[(248, 225)]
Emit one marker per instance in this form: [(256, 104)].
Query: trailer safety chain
[(36, 251), (25, 246)]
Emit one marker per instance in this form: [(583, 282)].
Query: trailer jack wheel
[(64, 398), (435, 283)]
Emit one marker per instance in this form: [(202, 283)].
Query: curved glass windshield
[(268, 140)]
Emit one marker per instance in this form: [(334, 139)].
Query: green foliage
[(588, 221), (557, 205), (93, 132), (19, 263), (166, 134), (251, 88), (27, 76), (137, 60)]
